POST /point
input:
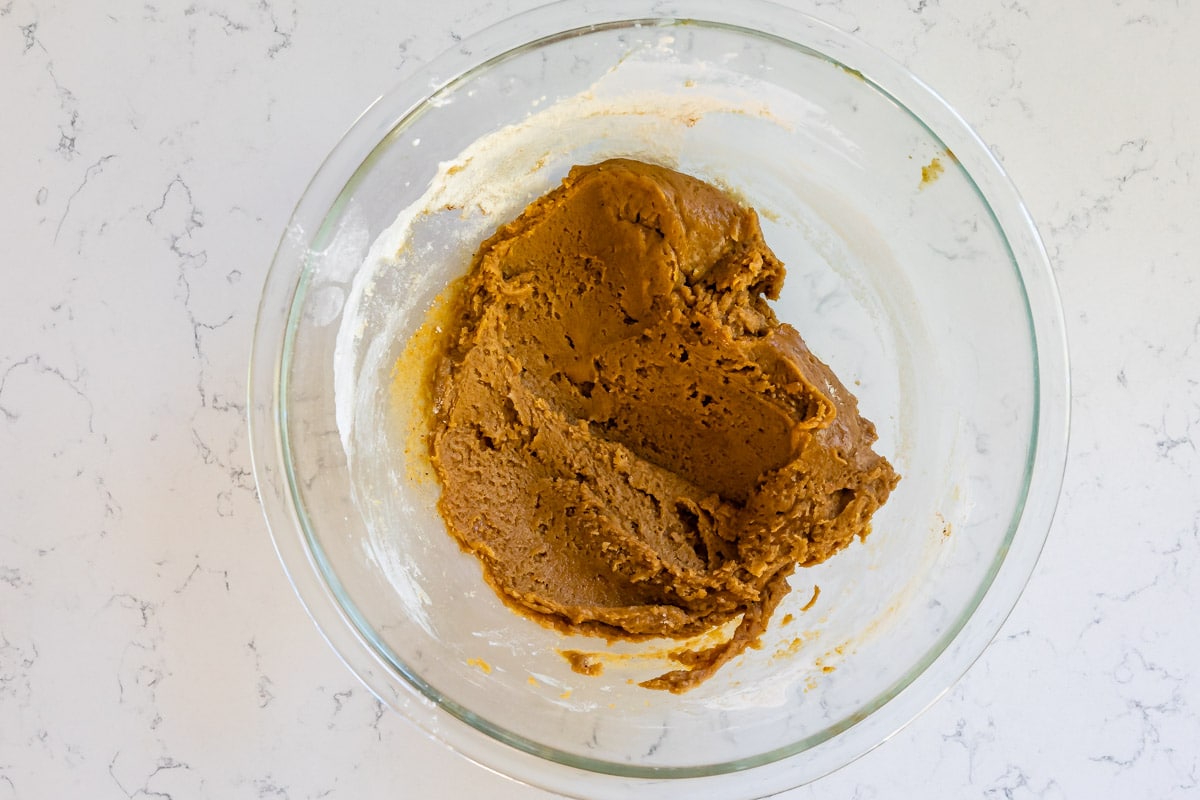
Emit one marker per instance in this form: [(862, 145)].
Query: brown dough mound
[(627, 438)]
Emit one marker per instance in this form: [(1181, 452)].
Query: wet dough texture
[(625, 435)]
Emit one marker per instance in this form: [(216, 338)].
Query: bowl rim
[(958, 648)]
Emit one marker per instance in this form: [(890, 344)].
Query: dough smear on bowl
[(626, 437)]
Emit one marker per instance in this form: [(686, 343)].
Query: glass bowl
[(914, 271)]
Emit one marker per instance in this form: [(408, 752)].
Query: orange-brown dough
[(625, 435)]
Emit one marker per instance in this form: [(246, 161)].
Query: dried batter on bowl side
[(626, 437)]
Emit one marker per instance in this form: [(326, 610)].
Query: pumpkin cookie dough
[(626, 437)]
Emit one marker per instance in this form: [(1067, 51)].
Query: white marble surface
[(150, 645)]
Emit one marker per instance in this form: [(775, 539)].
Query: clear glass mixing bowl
[(914, 271)]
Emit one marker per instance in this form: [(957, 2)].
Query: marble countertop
[(150, 644)]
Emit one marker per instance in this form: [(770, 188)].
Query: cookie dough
[(626, 437)]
